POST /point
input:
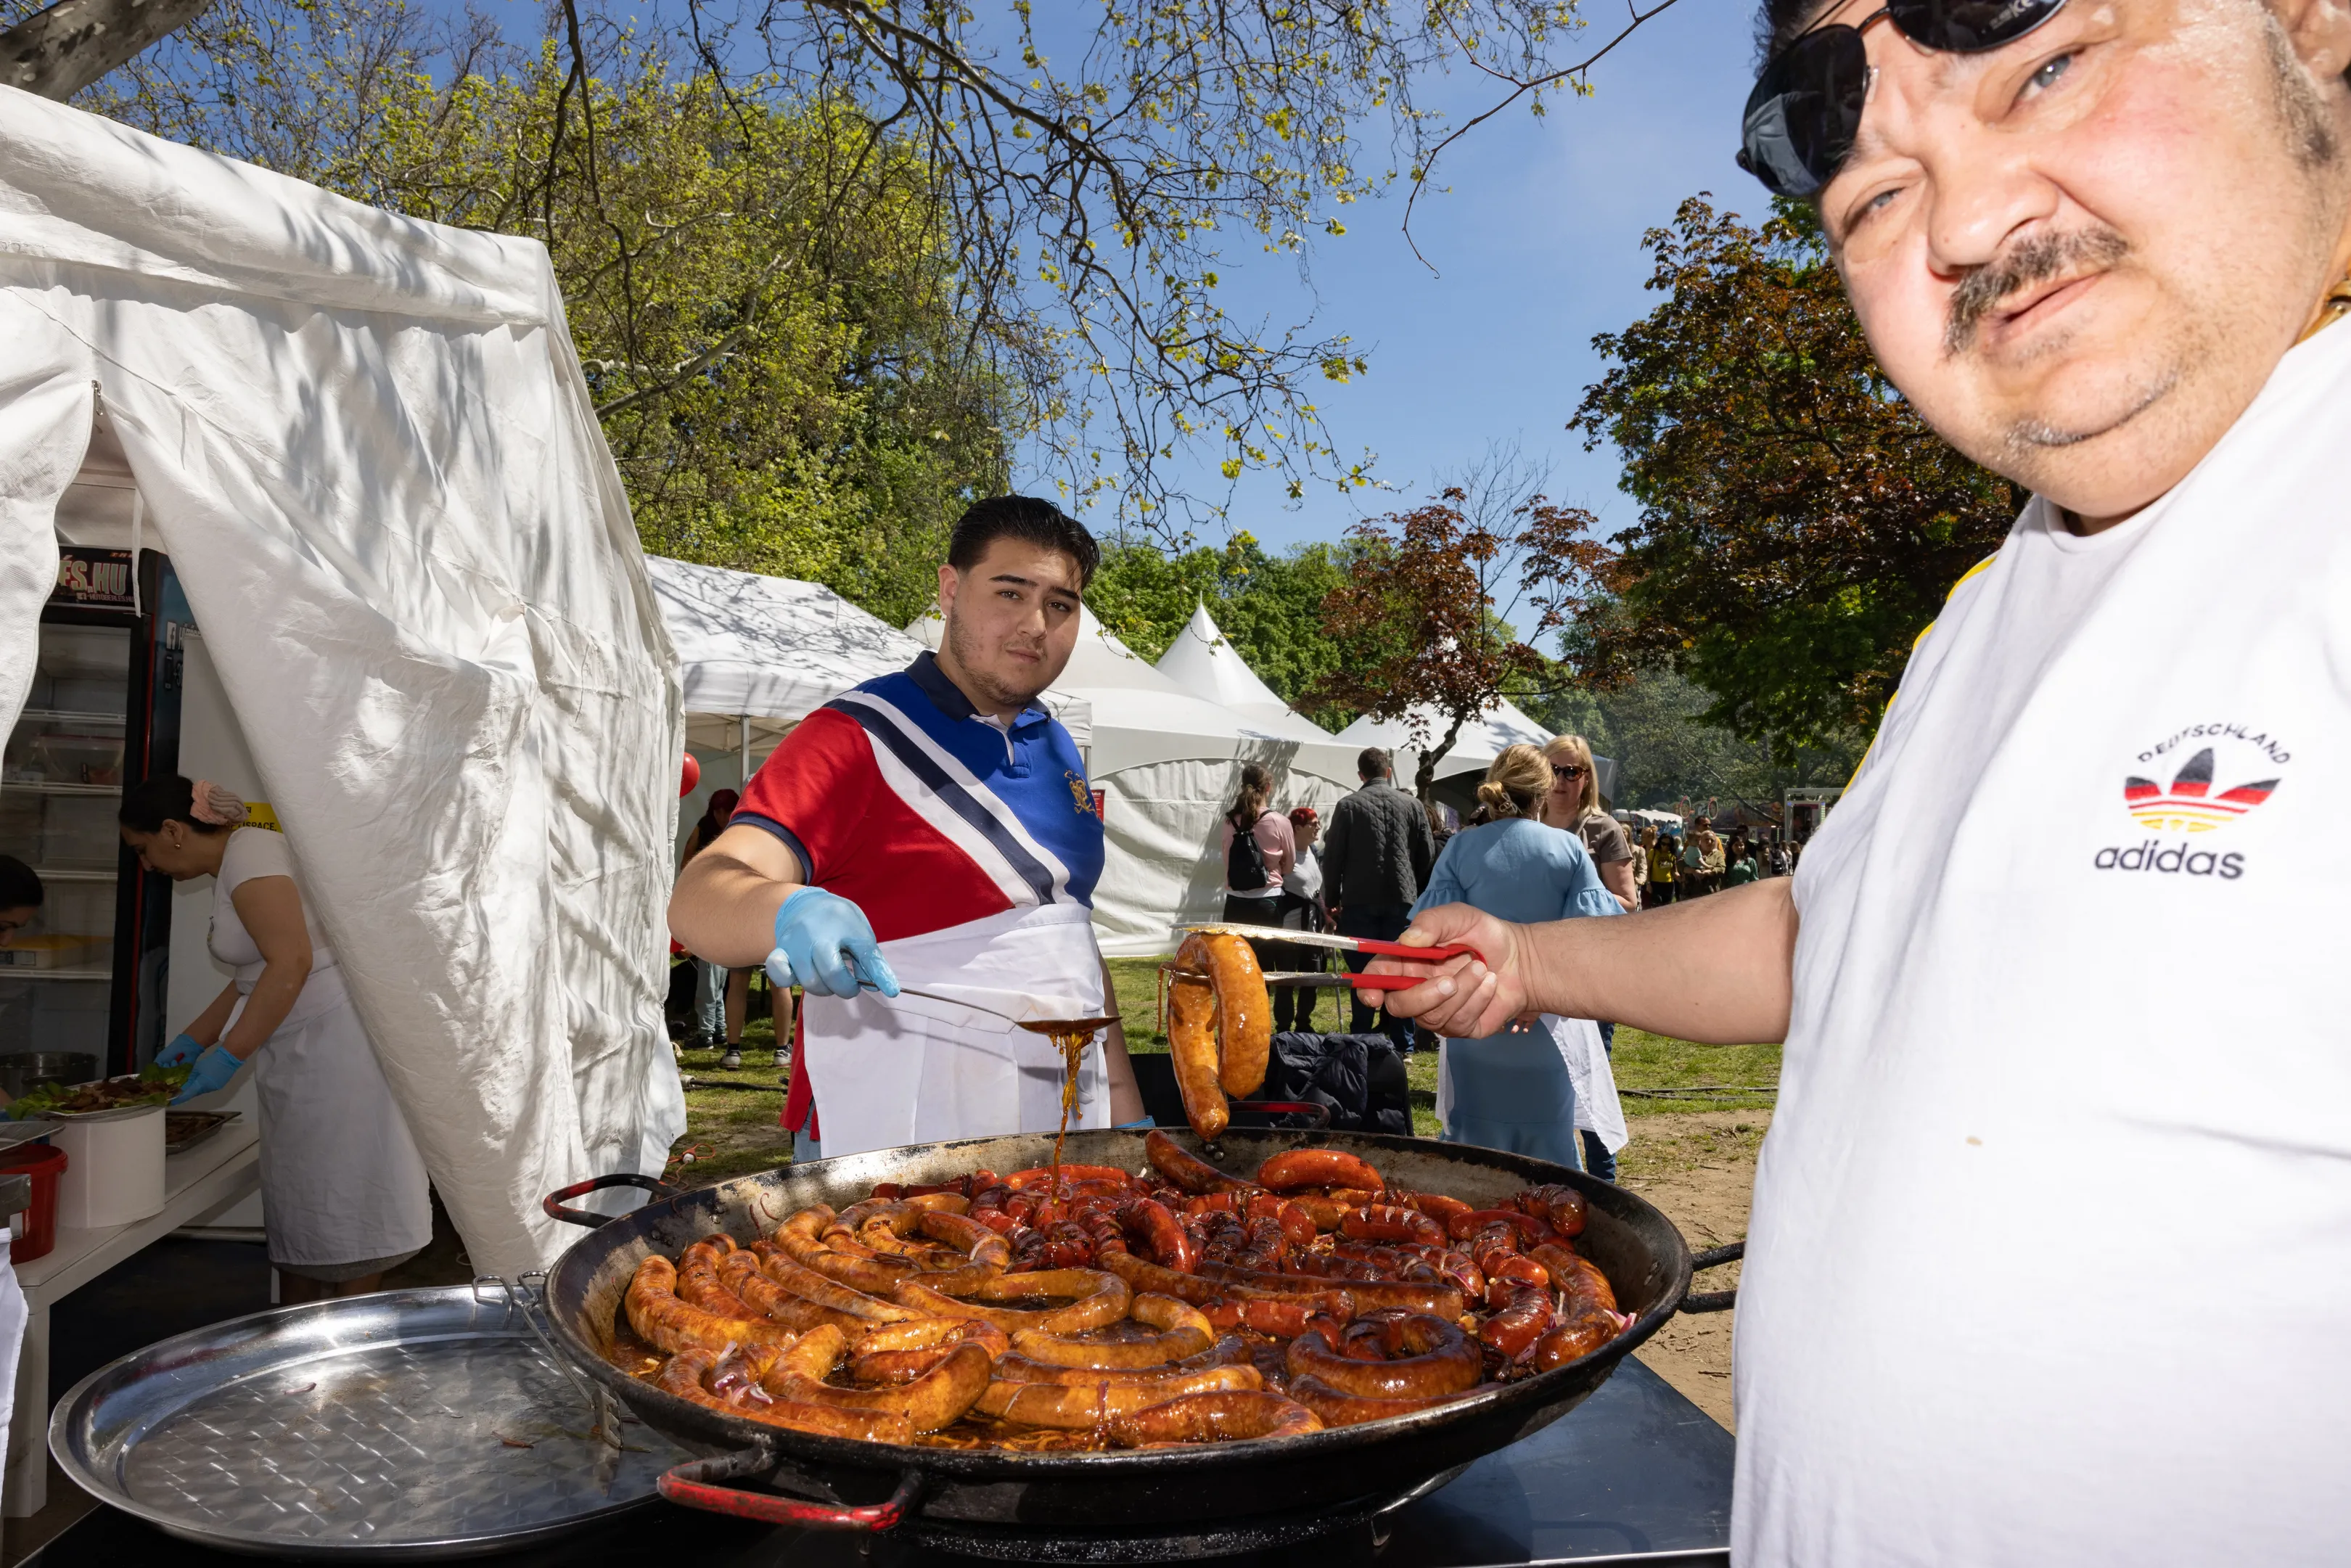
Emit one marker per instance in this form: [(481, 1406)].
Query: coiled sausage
[(1184, 1332), (1338, 1409), (1426, 1355), (683, 1375), (1079, 1406)]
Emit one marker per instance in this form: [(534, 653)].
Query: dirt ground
[(1700, 1169)]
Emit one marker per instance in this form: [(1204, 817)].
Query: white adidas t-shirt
[(2051, 1260)]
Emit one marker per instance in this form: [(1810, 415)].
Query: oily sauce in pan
[(1079, 1308)]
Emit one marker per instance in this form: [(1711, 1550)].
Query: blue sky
[(1537, 247)]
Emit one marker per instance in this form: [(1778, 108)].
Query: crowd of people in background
[(1539, 845), (1675, 867)]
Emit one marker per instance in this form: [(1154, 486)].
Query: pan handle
[(1322, 1113), (1715, 1300), (699, 1483), (556, 1209)]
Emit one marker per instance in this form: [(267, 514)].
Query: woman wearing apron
[(1512, 1091), (343, 1189)]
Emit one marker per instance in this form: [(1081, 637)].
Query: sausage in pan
[(1213, 1418), (1337, 1409), (1318, 1168), (684, 1377), (1079, 1405), (1428, 1356), (1186, 1170), (664, 1320), (1184, 1332)]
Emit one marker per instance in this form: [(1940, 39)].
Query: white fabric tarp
[(369, 450), (1168, 763)]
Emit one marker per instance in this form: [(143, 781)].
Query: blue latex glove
[(183, 1050), (213, 1070), (1134, 1126), (824, 944)]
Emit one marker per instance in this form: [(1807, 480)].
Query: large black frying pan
[(881, 1486)]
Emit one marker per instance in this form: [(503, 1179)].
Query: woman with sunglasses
[(1574, 804), (2046, 972)]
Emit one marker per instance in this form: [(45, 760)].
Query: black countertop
[(1636, 1473)]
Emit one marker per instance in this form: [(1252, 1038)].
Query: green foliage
[(764, 293), (1269, 607), (1655, 726), (1800, 523)]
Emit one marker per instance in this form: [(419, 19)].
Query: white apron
[(1597, 1109), (341, 1181), (914, 1070), (13, 1315)]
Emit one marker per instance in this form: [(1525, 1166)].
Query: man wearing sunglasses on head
[(2050, 1244)]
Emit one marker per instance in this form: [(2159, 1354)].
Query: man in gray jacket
[(1377, 855)]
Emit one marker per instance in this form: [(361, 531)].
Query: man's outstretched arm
[(1715, 971), (724, 906)]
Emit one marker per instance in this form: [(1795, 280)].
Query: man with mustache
[(2051, 1245)]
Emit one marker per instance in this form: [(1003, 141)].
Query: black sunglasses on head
[(1807, 108)]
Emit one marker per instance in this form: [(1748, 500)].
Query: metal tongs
[(1369, 945), (1088, 1027)]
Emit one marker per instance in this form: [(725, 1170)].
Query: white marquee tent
[(1204, 662), (1165, 763), (372, 455), (1480, 741)]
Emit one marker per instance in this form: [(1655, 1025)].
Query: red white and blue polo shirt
[(973, 848)]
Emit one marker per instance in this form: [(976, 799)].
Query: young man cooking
[(2051, 1246), (932, 829)]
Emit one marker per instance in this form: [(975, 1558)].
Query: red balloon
[(690, 776)]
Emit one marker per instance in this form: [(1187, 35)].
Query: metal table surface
[(1635, 1474)]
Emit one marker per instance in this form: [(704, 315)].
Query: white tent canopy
[(1203, 661), (1167, 763), (765, 648), (369, 450), (1480, 741)]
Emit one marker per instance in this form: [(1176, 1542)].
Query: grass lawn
[(731, 1133)]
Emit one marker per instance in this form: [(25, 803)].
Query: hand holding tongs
[(1370, 946)]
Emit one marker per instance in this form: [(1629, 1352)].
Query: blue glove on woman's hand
[(823, 943), (183, 1050), (213, 1070)]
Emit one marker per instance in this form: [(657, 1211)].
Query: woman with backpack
[(1260, 852)]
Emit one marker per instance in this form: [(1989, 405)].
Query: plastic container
[(115, 1169), (34, 1233)]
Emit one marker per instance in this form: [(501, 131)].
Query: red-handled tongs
[(1369, 946)]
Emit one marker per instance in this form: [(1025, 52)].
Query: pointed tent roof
[(1205, 663), (1140, 715)]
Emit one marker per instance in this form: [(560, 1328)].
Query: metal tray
[(400, 1426), (195, 1127)]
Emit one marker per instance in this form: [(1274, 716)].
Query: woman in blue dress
[(1511, 1091)]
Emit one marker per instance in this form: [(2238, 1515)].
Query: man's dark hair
[(20, 888), (1777, 25), (1372, 763), (1029, 519)]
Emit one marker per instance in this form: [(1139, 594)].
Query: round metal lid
[(410, 1424)]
